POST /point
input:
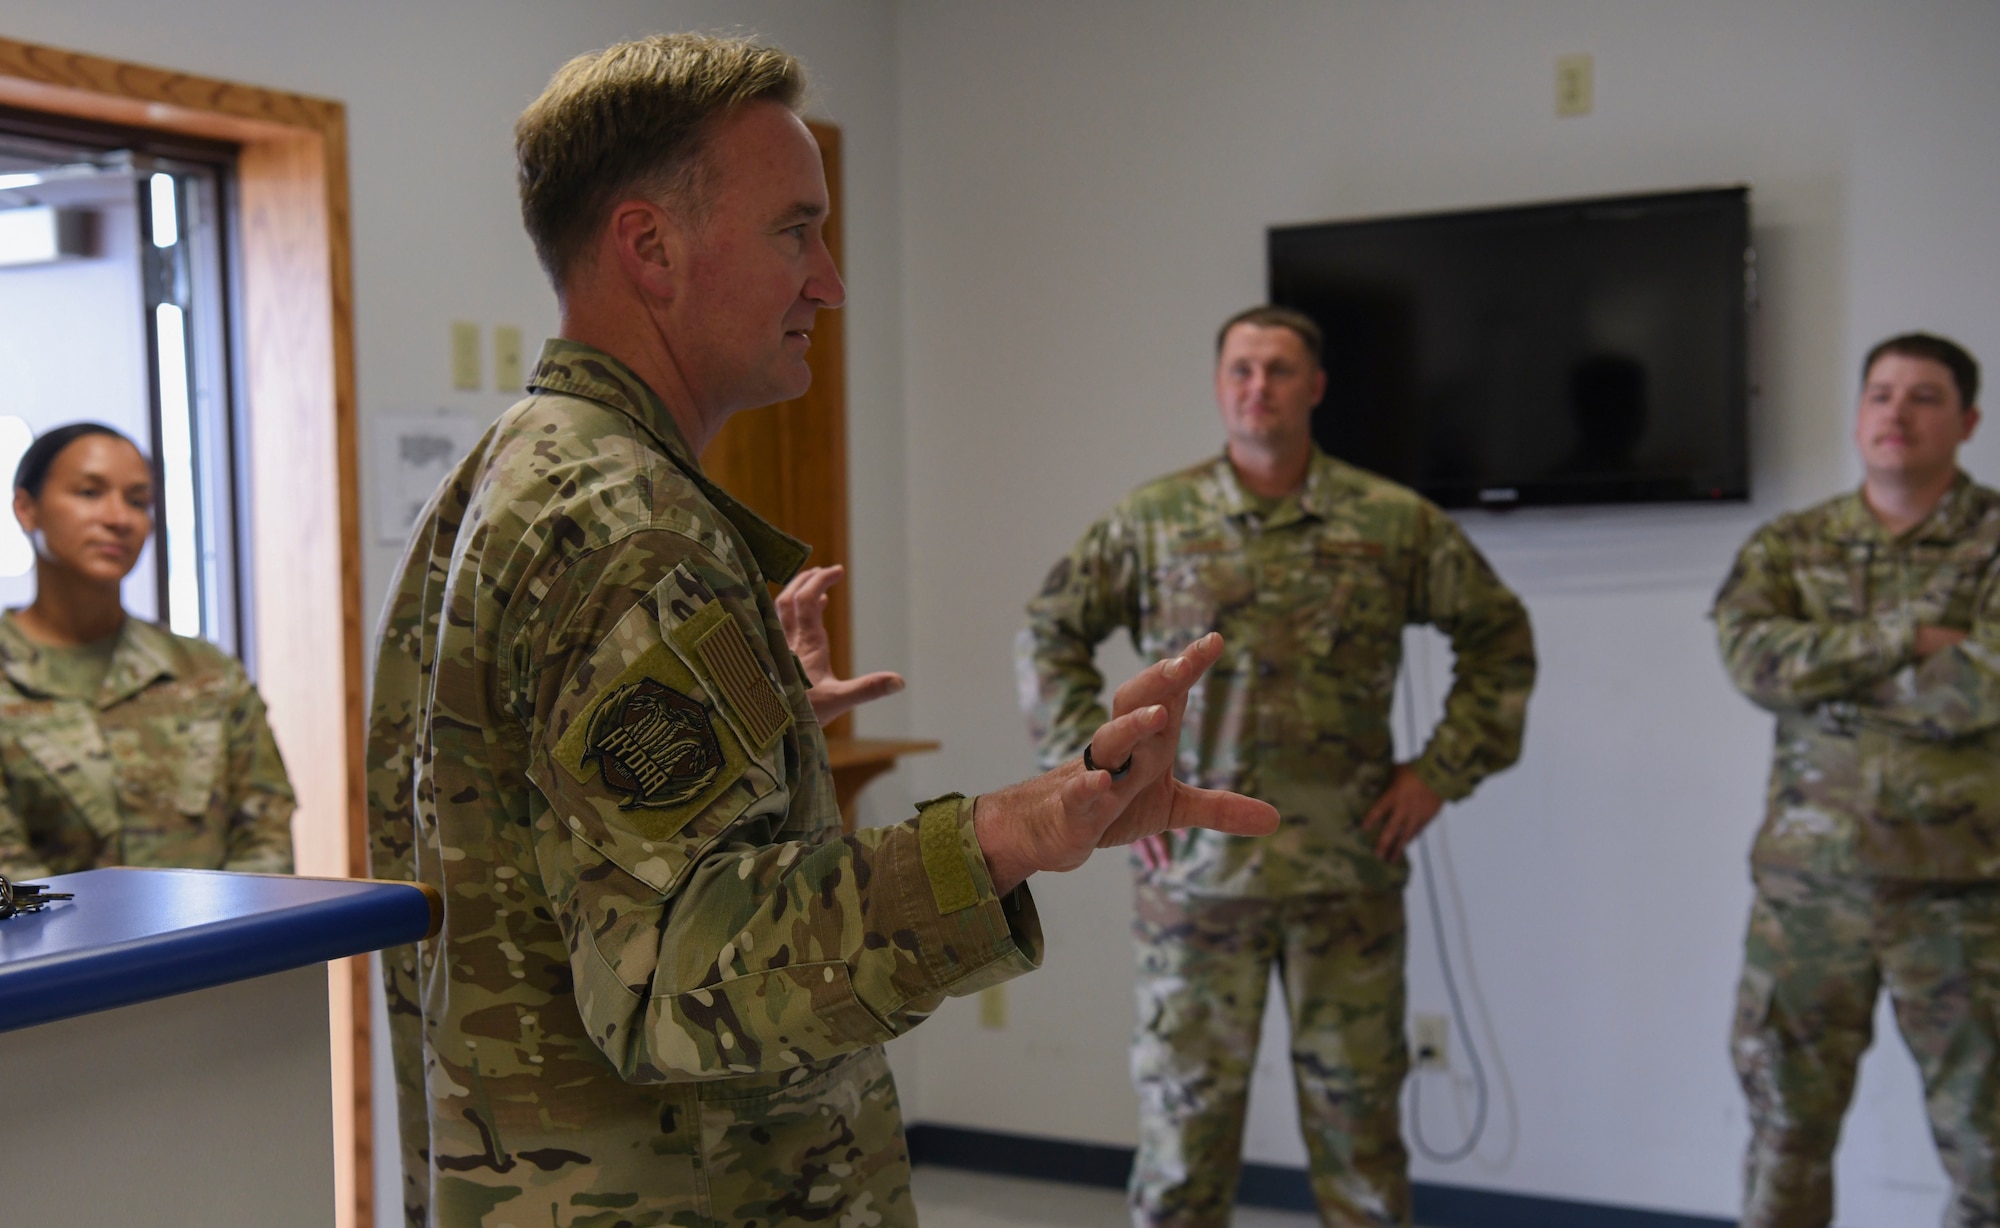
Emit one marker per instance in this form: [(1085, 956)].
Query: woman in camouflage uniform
[(121, 743)]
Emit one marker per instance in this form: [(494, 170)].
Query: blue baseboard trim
[(1268, 1185)]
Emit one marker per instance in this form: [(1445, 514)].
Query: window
[(114, 307)]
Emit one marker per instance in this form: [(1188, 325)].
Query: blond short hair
[(1266, 316), (634, 118)]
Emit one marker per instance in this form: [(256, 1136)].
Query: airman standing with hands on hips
[(1310, 569)]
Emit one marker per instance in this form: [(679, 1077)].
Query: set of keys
[(27, 897)]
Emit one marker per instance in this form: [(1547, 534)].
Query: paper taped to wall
[(409, 456)]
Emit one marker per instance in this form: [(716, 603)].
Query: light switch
[(506, 358), (465, 355), (1575, 87)]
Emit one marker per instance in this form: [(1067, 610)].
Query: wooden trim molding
[(857, 761), (296, 317)]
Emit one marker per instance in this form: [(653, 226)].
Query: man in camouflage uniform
[(1870, 625), (663, 975), (1310, 569)]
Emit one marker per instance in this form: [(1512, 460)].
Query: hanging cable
[(1458, 1016)]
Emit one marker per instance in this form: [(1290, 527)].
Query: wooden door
[(789, 461)]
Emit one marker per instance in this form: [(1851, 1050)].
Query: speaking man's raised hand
[(1055, 820), (802, 611)]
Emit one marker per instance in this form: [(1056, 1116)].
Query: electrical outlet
[(1430, 1042), (1575, 86), (993, 1007), (465, 355)]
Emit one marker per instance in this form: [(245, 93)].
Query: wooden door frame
[(297, 327)]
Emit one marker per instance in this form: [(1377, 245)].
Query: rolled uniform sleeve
[(1783, 660), (1089, 593), (712, 928), (1493, 648)]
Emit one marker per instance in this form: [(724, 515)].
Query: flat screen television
[(1589, 351)]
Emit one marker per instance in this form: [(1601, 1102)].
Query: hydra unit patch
[(652, 743)]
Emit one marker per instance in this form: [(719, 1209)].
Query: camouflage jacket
[(1312, 601), (170, 764), (588, 732), (1885, 766)]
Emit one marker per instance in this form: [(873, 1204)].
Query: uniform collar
[(144, 654), (1328, 484), (578, 370), (1949, 521)]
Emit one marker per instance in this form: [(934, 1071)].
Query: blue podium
[(164, 1052)]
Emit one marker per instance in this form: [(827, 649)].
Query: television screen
[(1581, 352)]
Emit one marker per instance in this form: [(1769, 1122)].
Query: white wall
[(1086, 189)]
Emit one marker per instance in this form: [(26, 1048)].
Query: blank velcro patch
[(952, 887), (718, 642)]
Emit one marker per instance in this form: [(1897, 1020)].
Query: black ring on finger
[(1092, 765)]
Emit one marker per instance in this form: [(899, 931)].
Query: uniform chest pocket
[(1340, 594), (77, 773), (1949, 583), (1930, 583), (1834, 581), (1204, 587), (168, 764)]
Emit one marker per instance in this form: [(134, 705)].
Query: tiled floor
[(953, 1198)]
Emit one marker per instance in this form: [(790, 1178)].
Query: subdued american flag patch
[(748, 690)]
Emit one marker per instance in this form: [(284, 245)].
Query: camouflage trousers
[(1204, 965), (726, 1153), (1818, 951)]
